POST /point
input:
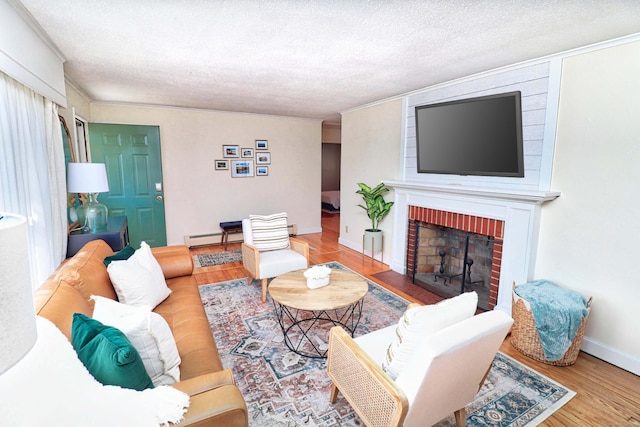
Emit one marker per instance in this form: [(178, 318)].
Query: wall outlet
[(346, 228)]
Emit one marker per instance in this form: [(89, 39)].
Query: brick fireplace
[(510, 217), (493, 229)]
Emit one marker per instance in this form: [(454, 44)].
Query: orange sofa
[(215, 400)]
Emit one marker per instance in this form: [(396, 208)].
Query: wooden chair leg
[(461, 417), (334, 393), (264, 290)]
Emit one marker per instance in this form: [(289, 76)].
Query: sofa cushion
[(148, 332), (184, 312), (270, 232), (417, 323), (107, 354), (139, 280)]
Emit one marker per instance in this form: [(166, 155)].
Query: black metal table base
[(300, 326)]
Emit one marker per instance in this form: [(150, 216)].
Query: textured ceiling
[(311, 58)]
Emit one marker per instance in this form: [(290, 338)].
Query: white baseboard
[(358, 248), (310, 230), (611, 355), (216, 238), (350, 244)]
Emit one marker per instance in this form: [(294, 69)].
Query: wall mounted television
[(474, 136)]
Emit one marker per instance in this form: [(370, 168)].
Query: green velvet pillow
[(124, 254), (107, 354)]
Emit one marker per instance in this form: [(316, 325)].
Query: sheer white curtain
[(32, 173)]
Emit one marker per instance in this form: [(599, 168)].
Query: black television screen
[(475, 136)]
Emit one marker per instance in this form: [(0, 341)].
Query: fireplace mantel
[(519, 209), (535, 197)]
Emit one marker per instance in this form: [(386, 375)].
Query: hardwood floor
[(606, 395)]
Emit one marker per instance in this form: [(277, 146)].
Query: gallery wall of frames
[(245, 162)]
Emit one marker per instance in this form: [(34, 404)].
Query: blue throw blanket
[(557, 312)]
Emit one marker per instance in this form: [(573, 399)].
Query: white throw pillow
[(270, 232), (139, 280), (419, 322), (148, 332)]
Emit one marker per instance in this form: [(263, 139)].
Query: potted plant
[(377, 209)]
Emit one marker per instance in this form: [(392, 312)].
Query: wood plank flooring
[(606, 395)]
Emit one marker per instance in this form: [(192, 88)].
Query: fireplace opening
[(449, 253), (451, 261)]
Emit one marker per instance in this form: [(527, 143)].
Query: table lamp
[(18, 331), (90, 178)]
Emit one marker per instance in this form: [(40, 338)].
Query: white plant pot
[(373, 240)]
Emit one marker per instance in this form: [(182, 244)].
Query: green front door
[(131, 154)]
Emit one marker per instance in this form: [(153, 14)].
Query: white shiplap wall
[(539, 85)]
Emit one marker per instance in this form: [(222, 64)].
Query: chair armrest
[(251, 259), (369, 390), (301, 247), (214, 401), (175, 261)]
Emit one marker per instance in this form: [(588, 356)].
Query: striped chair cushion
[(270, 233)]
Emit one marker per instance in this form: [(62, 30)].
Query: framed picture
[(241, 168), (222, 165), (246, 152), (230, 151), (262, 170), (263, 158), (262, 144)]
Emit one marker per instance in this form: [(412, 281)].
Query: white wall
[(371, 139), (588, 238), (197, 197)]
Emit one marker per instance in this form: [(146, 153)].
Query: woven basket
[(525, 339)]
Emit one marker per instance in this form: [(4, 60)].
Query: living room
[(564, 250), (589, 156)]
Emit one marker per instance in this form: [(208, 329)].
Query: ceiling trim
[(194, 109)]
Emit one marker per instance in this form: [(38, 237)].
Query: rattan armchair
[(443, 376), (265, 265)]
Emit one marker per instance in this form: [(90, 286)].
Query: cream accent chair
[(266, 265), (443, 376)]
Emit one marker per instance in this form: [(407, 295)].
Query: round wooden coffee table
[(304, 314)]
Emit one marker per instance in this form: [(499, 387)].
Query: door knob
[(159, 198)]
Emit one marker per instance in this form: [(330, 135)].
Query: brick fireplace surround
[(510, 215), (464, 222)]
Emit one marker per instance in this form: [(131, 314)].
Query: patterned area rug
[(217, 258), (282, 388)]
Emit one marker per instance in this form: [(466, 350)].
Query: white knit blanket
[(50, 386)]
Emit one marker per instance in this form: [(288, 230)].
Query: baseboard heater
[(214, 238)]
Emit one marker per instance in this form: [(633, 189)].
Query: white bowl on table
[(317, 276)]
